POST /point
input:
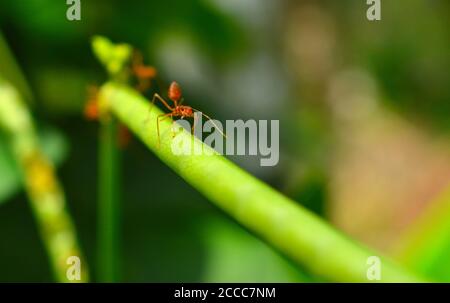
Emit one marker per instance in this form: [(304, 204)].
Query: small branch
[(281, 222), (44, 191)]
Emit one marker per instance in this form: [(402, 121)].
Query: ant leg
[(155, 98), (163, 116), (193, 126), (148, 115), (158, 97), (215, 125)]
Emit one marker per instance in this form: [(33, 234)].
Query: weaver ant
[(179, 110)]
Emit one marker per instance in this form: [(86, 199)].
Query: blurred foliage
[(426, 247), (224, 261), (408, 53), (54, 146)]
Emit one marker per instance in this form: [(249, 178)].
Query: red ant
[(178, 110)]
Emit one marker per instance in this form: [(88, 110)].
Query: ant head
[(175, 93)]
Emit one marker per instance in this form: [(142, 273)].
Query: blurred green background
[(363, 107)]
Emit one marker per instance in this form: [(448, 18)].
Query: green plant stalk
[(108, 208), (426, 246), (114, 58), (44, 191), (281, 222), (12, 72)]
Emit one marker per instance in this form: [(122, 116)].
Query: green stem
[(11, 71), (108, 208), (43, 188), (281, 222)]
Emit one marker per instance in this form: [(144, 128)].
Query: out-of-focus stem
[(114, 58), (108, 208), (44, 191), (12, 72)]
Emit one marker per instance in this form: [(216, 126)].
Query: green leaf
[(54, 144), (113, 56)]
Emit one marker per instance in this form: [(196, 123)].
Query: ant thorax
[(184, 111)]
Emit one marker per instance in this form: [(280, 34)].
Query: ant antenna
[(215, 125)]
